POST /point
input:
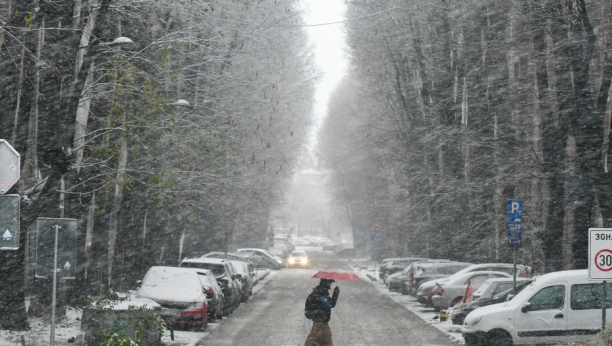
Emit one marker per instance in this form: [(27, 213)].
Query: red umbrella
[(336, 274)]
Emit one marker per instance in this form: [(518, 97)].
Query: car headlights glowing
[(304, 260), (279, 261), (473, 321), (291, 260)]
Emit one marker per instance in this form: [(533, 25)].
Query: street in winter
[(305, 172)]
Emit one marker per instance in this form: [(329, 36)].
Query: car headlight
[(279, 261), (304, 260), (473, 321), (291, 260)]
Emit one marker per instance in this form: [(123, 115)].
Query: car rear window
[(216, 269)]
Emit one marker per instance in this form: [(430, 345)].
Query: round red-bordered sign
[(597, 265)]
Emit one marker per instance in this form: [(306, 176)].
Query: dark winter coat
[(317, 309)]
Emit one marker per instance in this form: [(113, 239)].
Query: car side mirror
[(526, 307), (139, 282), (509, 297)]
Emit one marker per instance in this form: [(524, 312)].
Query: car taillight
[(245, 279), (208, 289), (440, 291), (196, 310), (411, 279)]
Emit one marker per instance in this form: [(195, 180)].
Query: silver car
[(492, 287), (449, 293)]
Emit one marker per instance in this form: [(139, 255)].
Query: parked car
[(492, 287), (328, 245), (387, 262), (449, 293), (180, 294), (426, 290), (284, 242), (556, 308), (426, 270), (263, 257), (226, 276), (214, 294), (459, 313), (346, 251), (298, 259), (314, 241), (396, 266), (245, 269)]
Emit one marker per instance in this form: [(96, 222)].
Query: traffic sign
[(376, 229), (600, 253), (367, 239), (376, 238), (66, 247), (9, 222), (10, 166), (515, 221)]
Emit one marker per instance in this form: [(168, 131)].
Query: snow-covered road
[(363, 316)]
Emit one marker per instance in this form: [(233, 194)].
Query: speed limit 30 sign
[(600, 253)]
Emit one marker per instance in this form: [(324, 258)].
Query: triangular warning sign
[(67, 265), (7, 235)]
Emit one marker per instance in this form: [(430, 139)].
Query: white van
[(555, 308)]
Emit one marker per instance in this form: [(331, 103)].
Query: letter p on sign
[(515, 207)]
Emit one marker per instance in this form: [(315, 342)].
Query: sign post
[(600, 262), (515, 222), (50, 251), (376, 237), (367, 240)]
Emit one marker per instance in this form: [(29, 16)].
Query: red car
[(180, 293)]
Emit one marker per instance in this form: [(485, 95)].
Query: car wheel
[(201, 327), (212, 317), (227, 310), (458, 320), (499, 337)]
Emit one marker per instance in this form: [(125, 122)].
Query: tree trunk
[(119, 184)]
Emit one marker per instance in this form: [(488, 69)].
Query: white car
[(556, 308), (492, 287), (263, 258)]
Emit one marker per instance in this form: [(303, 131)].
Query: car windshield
[(217, 269), (298, 254)]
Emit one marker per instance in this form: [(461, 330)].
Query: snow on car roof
[(170, 283), (463, 276), (205, 260), (577, 275)]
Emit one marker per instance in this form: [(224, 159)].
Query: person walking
[(318, 309)]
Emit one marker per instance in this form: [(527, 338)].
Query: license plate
[(170, 312)]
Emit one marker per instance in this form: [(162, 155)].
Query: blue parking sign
[(515, 221)]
